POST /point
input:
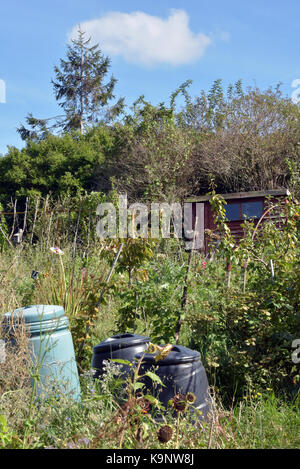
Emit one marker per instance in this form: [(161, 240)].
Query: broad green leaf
[(138, 385), (154, 401), (119, 360), (154, 377)]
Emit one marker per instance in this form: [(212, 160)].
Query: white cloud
[(145, 39)]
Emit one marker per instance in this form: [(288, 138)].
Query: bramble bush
[(241, 318), (245, 328)]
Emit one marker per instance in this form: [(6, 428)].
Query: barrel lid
[(37, 313), (120, 341), (179, 354)]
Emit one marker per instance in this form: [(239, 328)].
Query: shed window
[(243, 210), (252, 209), (232, 212)]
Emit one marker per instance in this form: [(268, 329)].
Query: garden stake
[(82, 344), (5, 237), (184, 294), (110, 273), (25, 215), (14, 219), (34, 220), (49, 230), (245, 275), (135, 313), (76, 232), (272, 269)]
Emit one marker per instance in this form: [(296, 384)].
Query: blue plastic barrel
[(52, 348)]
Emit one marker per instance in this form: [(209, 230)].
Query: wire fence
[(50, 222)]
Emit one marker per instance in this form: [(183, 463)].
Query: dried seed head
[(125, 407), (179, 402), (163, 352), (152, 348), (165, 433), (144, 404), (190, 397)]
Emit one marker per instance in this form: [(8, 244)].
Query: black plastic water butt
[(123, 346), (181, 372)]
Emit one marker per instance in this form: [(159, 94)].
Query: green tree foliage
[(243, 140), (151, 154), (56, 165), (79, 86), (80, 91)]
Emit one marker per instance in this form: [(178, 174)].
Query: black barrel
[(123, 346), (181, 372)]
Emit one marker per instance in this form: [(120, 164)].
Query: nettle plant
[(245, 327), (226, 247), (133, 421), (152, 301), (76, 286)]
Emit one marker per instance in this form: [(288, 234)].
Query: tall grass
[(256, 421)]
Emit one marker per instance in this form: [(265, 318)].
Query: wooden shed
[(239, 207)]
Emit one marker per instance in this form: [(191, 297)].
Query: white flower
[(57, 250)]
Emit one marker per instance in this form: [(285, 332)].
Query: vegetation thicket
[(243, 140), (239, 305)]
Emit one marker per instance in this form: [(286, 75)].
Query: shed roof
[(242, 195)]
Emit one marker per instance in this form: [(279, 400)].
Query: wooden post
[(34, 219), (184, 294), (25, 214), (14, 219), (49, 230)]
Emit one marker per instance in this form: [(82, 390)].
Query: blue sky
[(153, 46)]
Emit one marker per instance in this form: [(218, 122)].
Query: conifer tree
[(80, 90)]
